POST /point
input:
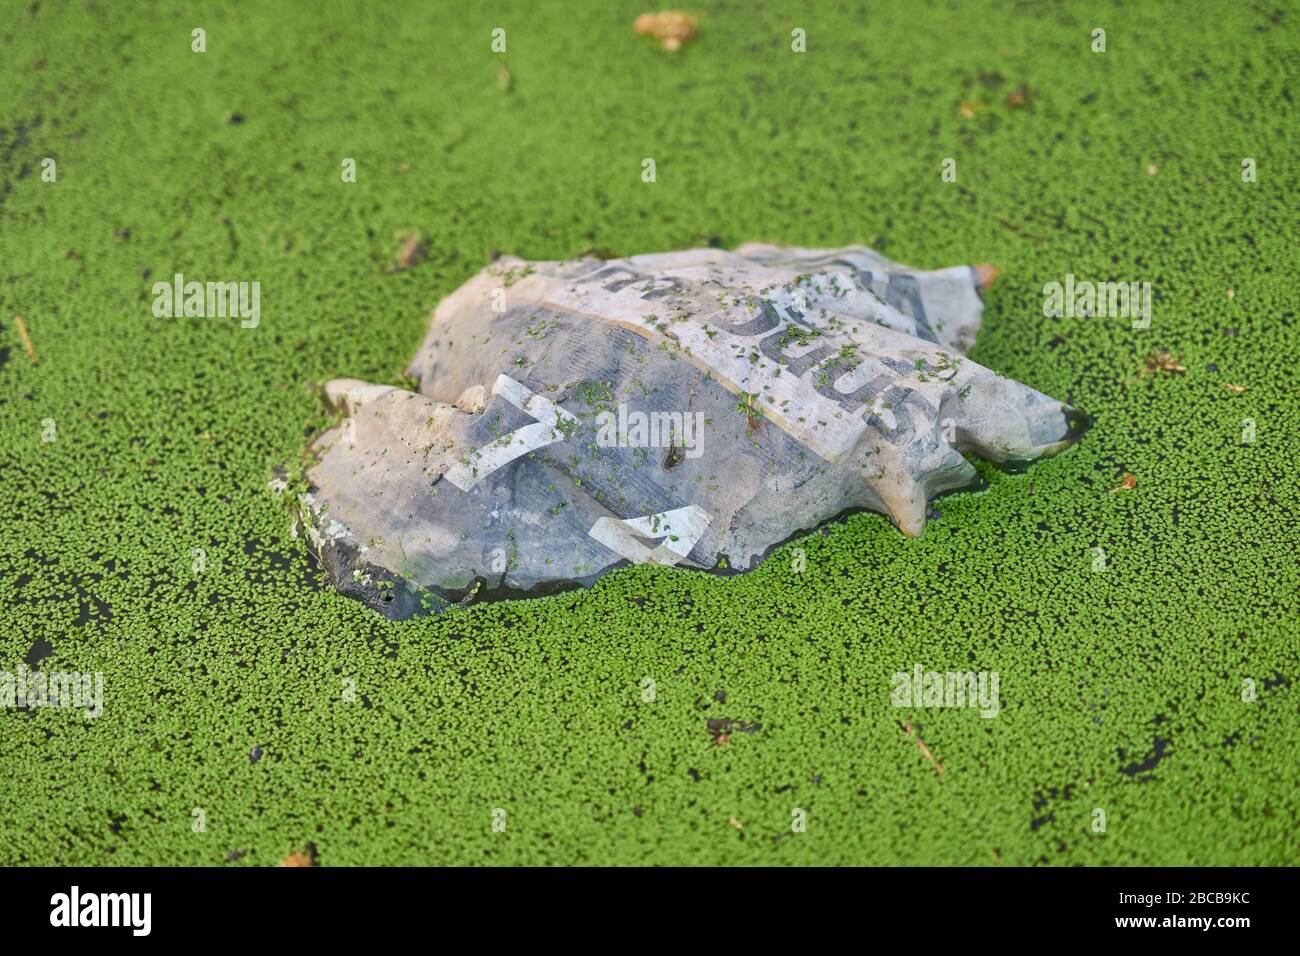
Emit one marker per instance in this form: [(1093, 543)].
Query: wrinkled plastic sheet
[(691, 408)]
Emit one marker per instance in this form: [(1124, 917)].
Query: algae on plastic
[(691, 408)]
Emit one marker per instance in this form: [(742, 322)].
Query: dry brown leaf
[(1162, 362), (27, 342), (1019, 97), (1127, 483), (722, 739), (986, 273), (732, 821), (969, 108), (412, 252), (1235, 389), (672, 28), (297, 859), (925, 751)]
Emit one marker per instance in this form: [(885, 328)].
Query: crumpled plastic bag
[(691, 408)]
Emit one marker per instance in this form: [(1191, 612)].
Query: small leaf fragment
[(1162, 362), (1127, 483)]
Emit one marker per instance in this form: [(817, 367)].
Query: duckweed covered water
[(1145, 640)]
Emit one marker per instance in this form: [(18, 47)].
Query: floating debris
[(690, 408), (925, 751), (672, 28), (1162, 362), (720, 731), (412, 252), (1127, 483), (27, 341)]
